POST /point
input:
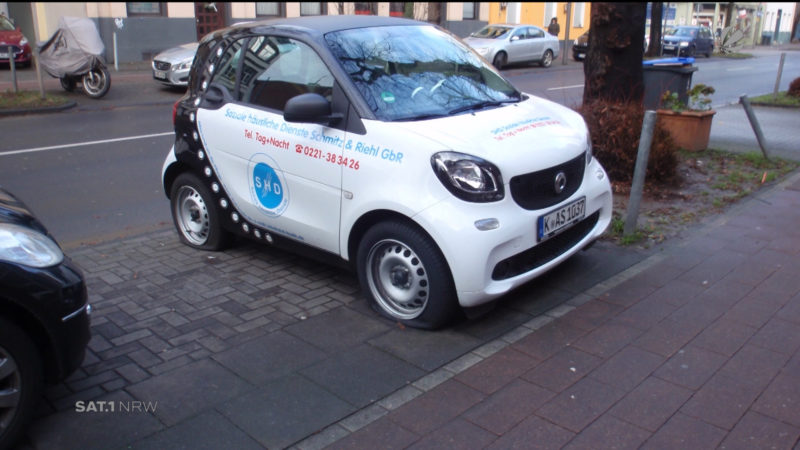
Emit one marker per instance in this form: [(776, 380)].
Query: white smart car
[(390, 144)]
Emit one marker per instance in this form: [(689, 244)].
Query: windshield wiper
[(482, 105)]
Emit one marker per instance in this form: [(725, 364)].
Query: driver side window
[(276, 69)]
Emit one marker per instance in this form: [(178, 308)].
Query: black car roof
[(319, 25)]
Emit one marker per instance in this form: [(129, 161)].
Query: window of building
[(549, 13), (313, 9), (145, 8), (269, 9), (397, 9), (577, 14), (470, 11), (366, 8)]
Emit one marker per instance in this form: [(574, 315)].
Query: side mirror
[(309, 108), (514, 38)]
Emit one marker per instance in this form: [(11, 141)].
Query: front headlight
[(185, 65), (684, 44), (24, 246), (468, 177), (482, 51), (23, 41)]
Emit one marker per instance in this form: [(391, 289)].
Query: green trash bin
[(669, 74)]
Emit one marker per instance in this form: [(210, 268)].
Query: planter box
[(689, 129)]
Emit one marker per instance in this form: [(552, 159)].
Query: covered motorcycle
[(74, 54)]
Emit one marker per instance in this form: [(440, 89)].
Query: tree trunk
[(729, 15), (613, 66), (655, 29)]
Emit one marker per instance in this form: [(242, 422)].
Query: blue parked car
[(688, 41)]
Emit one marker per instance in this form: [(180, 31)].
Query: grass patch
[(710, 182), (782, 99), (29, 99)]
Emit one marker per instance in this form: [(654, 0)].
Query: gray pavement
[(691, 345)]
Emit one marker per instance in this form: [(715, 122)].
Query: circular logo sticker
[(267, 186), (387, 97)]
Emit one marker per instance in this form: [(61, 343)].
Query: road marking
[(565, 87), (80, 144)]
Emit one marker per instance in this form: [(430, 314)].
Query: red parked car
[(13, 41)]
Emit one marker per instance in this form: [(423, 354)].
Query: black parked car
[(688, 41), (580, 47), (44, 315)]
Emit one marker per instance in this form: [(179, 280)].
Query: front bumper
[(488, 264), (56, 297), (171, 76)]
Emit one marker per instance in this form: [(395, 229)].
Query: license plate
[(669, 47), (581, 55), (3, 55), (160, 74), (559, 220)]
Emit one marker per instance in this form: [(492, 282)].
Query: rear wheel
[(547, 58), (195, 215), (500, 60), (68, 83), (97, 82), (405, 276), (20, 381)]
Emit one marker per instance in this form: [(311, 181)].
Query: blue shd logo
[(267, 186)]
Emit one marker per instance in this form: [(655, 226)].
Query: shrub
[(794, 88), (616, 128)]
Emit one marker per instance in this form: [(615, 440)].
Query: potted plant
[(689, 122)]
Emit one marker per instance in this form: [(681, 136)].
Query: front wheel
[(405, 276), (97, 82), (195, 215), (20, 381), (547, 58)]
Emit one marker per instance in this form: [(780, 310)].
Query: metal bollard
[(751, 116), (639, 172)]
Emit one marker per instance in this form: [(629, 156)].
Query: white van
[(391, 144)]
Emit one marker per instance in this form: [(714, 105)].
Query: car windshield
[(491, 32), (417, 72), (6, 25), (683, 32)]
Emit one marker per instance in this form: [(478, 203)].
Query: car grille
[(161, 65), (546, 251), (536, 190)]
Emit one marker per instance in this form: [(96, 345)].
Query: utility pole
[(36, 48)]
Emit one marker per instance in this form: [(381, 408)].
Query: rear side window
[(227, 66), (276, 69)]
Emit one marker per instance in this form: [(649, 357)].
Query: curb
[(41, 109)]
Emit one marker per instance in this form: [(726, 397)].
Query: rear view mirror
[(309, 108)]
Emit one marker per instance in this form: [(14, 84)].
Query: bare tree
[(613, 66), (656, 13)]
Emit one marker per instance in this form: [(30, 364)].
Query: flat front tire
[(20, 381), (195, 214), (405, 276)]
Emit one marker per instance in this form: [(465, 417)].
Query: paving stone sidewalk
[(257, 346), (699, 350)]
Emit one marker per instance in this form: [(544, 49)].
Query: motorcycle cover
[(73, 49)]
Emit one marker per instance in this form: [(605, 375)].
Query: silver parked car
[(171, 66), (503, 44)]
